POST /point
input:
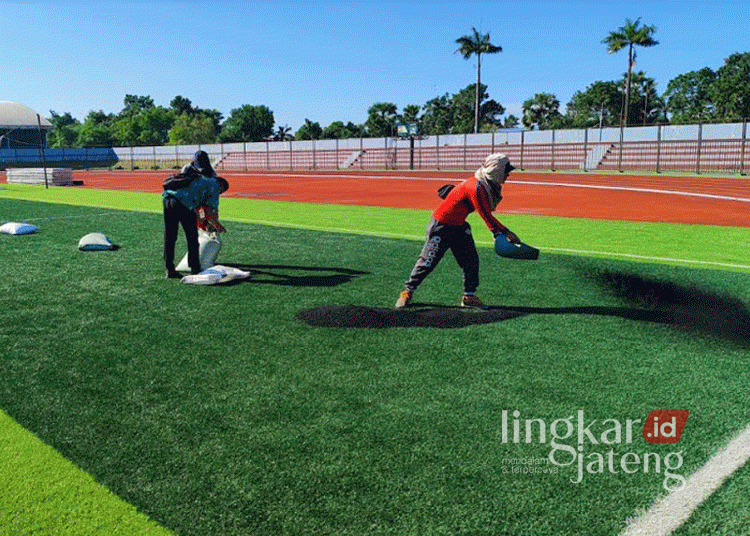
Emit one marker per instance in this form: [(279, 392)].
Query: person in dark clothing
[(202, 164), (180, 209)]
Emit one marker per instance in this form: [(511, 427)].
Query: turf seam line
[(672, 510)]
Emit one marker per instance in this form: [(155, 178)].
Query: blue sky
[(331, 60)]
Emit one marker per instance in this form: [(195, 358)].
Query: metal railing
[(702, 148), (662, 148)]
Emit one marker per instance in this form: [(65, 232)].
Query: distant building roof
[(17, 115)]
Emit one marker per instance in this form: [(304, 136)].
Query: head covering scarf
[(492, 175), (202, 163)]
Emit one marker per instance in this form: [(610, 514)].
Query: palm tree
[(540, 110), (476, 44), (282, 133), (630, 35)]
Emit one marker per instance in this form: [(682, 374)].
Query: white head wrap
[(492, 175)]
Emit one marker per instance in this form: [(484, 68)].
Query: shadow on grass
[(687, 307), (647, 300), (297, 276)]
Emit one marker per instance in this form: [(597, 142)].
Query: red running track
[(695, 200)]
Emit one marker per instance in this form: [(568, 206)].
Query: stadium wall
[(698, 148), (720, 148)]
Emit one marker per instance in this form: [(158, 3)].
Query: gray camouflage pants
[(439, 239)]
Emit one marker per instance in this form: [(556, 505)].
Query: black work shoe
[(173, 274), (473, 301)]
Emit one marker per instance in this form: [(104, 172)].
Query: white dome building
[(21, 127)]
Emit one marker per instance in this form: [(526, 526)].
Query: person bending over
[(449, 230), (180, 209)]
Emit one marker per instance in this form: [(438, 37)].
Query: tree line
[(698, 96), (143, 123), (703, 96)]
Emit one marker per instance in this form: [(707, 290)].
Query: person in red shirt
[(448, 229)]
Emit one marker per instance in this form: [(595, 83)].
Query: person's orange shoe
[(404, 299)]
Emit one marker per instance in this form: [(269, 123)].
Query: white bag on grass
[(16, 228), (215, 275), (209, 245), (96, 242)]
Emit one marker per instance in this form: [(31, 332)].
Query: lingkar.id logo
[(569, 437)]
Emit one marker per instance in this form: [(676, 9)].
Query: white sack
[(209, 245), (95, 242), (16, 228), (215, 275)]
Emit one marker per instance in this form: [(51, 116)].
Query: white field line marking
[(632, 189), (672, 510), (376, 234), (345, 176), (51, 218), (644, 257), (384, 234), (528, 183)]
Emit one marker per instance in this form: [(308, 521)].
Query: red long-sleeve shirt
[(462, 201)]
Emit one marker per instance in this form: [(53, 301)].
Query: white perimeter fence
[(702, 148)]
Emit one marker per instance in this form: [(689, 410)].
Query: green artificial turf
[(43, 493), (678, 244), (216, 410), (725, 513)]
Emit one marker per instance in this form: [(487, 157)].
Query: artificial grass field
[(688, 245), (43, 493), (216, 410)]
